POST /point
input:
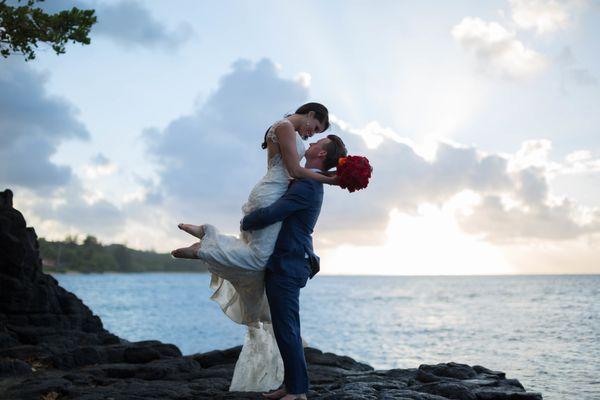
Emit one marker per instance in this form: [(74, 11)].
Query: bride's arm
[(286, 136)]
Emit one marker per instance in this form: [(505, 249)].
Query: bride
[(237, 264)]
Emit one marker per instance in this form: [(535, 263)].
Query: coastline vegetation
[(91, 256)]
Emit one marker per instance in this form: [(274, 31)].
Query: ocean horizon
[(540, 329), (74, 272)]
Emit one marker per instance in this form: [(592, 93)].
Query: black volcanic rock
[(39, 320), (53, 347)]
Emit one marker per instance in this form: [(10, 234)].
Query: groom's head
[(325, 153)]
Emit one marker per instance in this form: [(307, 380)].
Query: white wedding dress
[(237, 265)]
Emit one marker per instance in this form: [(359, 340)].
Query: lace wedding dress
[(237, 266)]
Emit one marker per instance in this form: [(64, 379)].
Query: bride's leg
[(194, 230), (187, 252)]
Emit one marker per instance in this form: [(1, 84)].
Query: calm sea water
[(542, 330)]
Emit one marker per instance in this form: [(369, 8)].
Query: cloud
[(532, 187), (528, 210), (581, 162), (127, 22), (497, 50), (100, 160), (208, 161), (513, 203), (32, 125), (571, 73), (99, 166), (581, 77), (74, 209), (500, 224), (408, 176), (543, 16), (130, 24)]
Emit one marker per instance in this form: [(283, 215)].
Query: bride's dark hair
[(321, 114)]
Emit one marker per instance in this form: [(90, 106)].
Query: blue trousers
[(283, 294)]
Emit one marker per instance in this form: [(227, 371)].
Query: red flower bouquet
[(354, 172)]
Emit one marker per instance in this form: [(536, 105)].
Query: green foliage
[(122, 256), (23, 26), (92, 256), (90, 241), (71, 239)]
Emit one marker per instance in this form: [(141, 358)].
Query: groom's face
[(316, 149)]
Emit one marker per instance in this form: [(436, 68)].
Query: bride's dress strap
[(271, 134)]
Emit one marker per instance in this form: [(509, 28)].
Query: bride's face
[(311, 126)]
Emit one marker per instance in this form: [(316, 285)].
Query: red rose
[(354, 172)]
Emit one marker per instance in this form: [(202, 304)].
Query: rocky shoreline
[(53, 347)]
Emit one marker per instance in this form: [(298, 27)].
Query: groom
[(293, 260)]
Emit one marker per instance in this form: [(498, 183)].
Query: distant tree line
[(92, 256)]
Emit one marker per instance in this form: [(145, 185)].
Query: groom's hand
[(243, 224), (335, 180)]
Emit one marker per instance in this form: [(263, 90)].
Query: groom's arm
[(297, 197)]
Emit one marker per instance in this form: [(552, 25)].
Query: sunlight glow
[(428, 243)]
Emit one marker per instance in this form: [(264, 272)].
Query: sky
[(480, 120)]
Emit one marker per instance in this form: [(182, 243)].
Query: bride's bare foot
[(278, 394), (194, 230), (187, 252)]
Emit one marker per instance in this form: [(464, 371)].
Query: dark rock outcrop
[(40, 322), (53, 347)]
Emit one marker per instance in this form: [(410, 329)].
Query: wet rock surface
[(53, 347)]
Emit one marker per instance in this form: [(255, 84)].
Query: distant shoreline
[(90, 256), (75, 272)]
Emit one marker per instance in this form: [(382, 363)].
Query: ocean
[(543, 330)]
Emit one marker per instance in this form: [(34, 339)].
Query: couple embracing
[(257, 276)]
